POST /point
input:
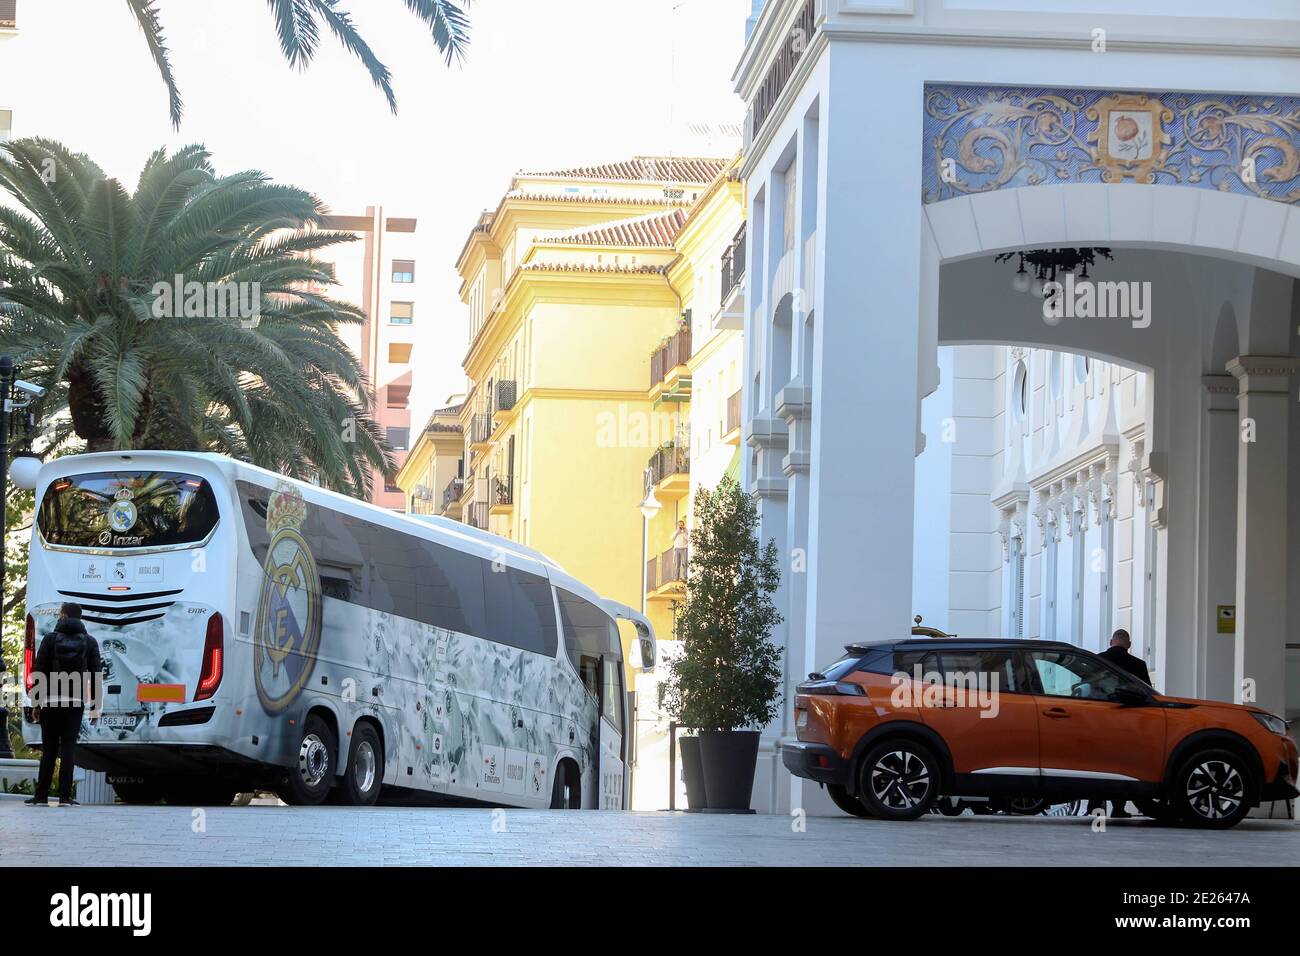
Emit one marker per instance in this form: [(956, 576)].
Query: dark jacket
[(1128, 663), (68, 642)]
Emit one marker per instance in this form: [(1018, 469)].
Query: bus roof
[(436, 528)]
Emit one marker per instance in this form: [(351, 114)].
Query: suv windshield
[(133, 509)]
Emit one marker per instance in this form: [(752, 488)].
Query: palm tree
[(88, 273), (298, 23)]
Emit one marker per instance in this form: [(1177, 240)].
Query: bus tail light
[(213, 654), (29, 652)]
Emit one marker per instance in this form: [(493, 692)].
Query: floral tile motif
[(982, 138)]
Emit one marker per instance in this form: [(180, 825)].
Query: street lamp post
[(649, 507), (9, 403), (8, 373)]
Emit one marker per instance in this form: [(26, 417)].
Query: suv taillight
[(29, 652), (841, 688), (213, 663)]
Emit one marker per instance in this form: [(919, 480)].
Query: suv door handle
[(1056, 713)]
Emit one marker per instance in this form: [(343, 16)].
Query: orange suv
[(890, 727)]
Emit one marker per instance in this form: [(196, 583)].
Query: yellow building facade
[(567, 283), (604, 377)]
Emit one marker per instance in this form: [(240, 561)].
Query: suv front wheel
[(1212, 789), (899, 779)]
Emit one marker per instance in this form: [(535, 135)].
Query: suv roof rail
[(925, 631)]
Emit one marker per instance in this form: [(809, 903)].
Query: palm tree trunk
[(86, 409)]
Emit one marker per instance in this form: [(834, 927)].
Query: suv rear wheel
[(1212, 790), (898, 779), (846, 801)]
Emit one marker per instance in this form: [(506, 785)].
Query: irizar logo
[(75, 908)]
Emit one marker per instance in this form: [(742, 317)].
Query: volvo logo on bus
[(286, 637)]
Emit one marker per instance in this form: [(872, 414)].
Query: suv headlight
[(1271, 722)]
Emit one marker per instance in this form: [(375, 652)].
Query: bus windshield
[(137, 509)]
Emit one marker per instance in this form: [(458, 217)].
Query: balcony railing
[(665, 568), (503, 491), (480, 429), (676, 351), (455, 488), (669, 461), (733, 264), (733, 412), (506, 396), (478, 515)]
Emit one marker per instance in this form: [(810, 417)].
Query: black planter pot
[(729, 758), (693, 773)]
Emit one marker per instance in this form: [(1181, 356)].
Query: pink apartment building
[(380, 274)]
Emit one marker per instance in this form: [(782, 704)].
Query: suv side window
[(1064, 674), (992, 669), (906, 662)]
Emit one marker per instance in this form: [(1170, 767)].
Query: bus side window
[(611, 702), (589, 671)]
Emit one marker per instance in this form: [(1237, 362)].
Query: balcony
[(670, 472), (477, 515), (507, 394), (732, 435), (665, 578), (480, 432), (503, 495), (733, 265), (670, 380), (731, 311), (451, 496)]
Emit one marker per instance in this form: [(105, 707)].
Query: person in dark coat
[(1118, 654), (66, 677)]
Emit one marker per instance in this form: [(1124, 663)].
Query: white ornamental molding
[(1137, 452), (1011, 526)]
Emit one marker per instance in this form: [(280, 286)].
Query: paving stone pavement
[(343, 836)]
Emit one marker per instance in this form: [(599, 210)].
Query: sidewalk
[(343, 836)]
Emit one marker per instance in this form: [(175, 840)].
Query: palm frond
[(345, 31), (448, 23), (146, 14)]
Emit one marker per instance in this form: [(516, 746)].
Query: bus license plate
[(120, 721)]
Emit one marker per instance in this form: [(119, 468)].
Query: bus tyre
[(309, 780), (363, 777), (566, 793), (139, 792), (899, 779)]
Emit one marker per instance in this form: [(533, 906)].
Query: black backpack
[(71, 652)]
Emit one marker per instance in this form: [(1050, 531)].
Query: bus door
[(611, 793)]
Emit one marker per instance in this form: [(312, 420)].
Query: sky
[(545, 85)]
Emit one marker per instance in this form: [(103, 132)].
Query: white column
[(1218, 533), (865, 381), (1259, 659)]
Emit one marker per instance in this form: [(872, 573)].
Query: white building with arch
[(921, 436)]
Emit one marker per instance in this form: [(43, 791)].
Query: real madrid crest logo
[(122, 512), (286, 636)]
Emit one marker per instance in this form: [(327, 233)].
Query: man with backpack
[(65, 680)]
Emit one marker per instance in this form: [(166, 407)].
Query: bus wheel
[(566, 794), (309, 780), (141, 791), (365, 772)]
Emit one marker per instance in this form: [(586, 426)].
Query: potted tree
[(726, 681)]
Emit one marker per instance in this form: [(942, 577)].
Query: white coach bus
[(260, 632)]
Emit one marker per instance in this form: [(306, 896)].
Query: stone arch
[(1247, 229)]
